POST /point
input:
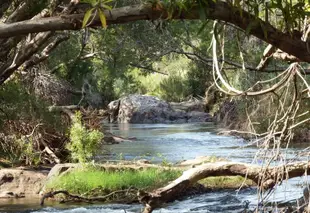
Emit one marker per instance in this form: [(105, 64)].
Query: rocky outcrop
[(149, 109), (16, 183), (188, 106)]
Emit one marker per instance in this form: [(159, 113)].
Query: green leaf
[(107, 7), (87, 17), (272, 5), (102, 18)]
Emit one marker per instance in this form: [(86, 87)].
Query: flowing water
[(161, 143)]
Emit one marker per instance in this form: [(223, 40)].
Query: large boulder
[(149, 109), (113, 108), (198, 116), (188, 106), (143, 109)]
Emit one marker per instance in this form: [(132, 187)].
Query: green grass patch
[(86, 180), (226, 182)]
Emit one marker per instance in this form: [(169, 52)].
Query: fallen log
[(263, 177), (110, 138)]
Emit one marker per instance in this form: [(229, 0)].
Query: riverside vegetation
[(122, 185), (250, 66)]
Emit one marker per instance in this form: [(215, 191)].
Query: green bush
[(83, 142)]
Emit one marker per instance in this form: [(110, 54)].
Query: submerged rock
[(149, 109)]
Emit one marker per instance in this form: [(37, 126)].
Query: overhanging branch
[(234, 65), (216, 10)]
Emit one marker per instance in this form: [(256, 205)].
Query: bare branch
[(23, 54), (36, 59), (230, 90), (85, 199)]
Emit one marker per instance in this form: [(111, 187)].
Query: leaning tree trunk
[(264, 177)]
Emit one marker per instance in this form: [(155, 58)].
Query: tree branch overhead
[(216, 10)]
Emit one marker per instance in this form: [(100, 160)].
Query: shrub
[(83, 142)]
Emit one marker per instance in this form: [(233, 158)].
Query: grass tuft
[(85, 180)]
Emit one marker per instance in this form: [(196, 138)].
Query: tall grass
[(85, 180)]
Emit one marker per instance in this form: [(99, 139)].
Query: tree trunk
[(264, 177)]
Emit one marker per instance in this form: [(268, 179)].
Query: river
[(162, 143)]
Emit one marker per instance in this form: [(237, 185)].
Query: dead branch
[(36, 59), (84, 199), (230, 90), (51, 154), (266, 179), (268, 52), (24, 54)]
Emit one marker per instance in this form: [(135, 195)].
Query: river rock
[(143, 109), (149, 109), (196, 116), (113, 108), (20, 182), (188, 106)]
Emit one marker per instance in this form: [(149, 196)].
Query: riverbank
[(126, 178)]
